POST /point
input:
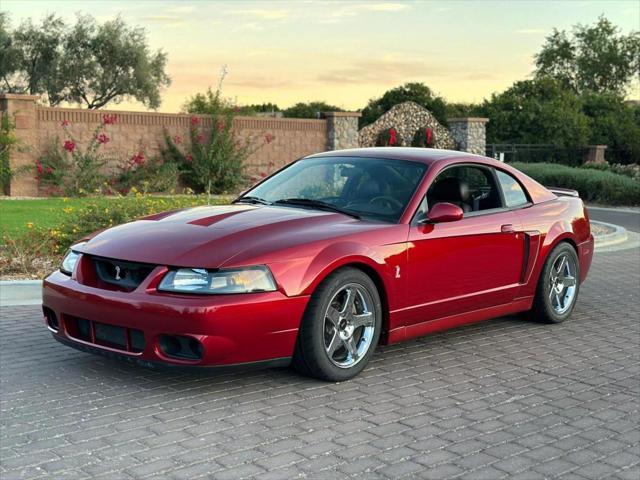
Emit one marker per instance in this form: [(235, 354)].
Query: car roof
[(422, 155)]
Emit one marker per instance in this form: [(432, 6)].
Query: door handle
[(508, 228)]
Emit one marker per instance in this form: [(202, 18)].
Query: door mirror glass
[(444, 212)]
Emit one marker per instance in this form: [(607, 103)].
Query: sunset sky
[(342, 52)]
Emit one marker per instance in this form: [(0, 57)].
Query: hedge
[(594, 186)]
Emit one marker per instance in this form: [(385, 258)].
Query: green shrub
[(631, 170), (593, 185)]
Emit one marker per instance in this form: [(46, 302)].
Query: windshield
[(370, 188)]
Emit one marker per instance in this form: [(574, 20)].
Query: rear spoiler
[(563, 192)]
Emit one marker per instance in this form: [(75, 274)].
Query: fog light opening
[(196, 348), (170, 345), (179, 347)]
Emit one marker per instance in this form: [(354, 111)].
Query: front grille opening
[(137, 341), (106, 335), (121, 275), (183, 348), (51, 319)]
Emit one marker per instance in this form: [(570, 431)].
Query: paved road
[(506, 398), (623, 217)]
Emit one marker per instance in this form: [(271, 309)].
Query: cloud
[(169, 20), (254, 81), (387, 7), (250, 26), (177, 16), (380, 71), (181, 9), (265, 14), (358, 8), (531, 31)]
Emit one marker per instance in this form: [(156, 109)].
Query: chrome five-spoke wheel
[(341, 326), (558, 285), (562, 283), (348, 325)]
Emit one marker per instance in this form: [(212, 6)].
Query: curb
[(20, 292), (619, 235)]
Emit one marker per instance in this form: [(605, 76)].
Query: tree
[(416, 92), (30, 61), (454, 110), (538, 111), (9, 56), (254, 108), (615, 123), (594, 58), (111, 62), (91, 64), (309, 109)]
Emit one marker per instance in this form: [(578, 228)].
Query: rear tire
[(558, 286), (340, 328)]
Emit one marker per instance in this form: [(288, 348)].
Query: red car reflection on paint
[(324, 260)]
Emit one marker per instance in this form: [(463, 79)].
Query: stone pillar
[(469, 133), (595, 154), (342, 130), (22, 110)]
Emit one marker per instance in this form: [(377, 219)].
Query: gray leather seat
[(450, 190)]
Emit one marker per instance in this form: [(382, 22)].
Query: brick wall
[(37, 127)]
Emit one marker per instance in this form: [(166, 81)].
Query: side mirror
[(444, 212)]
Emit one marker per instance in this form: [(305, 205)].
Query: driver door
[(468, 264)]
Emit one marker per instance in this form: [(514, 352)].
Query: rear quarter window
[(514, 195)]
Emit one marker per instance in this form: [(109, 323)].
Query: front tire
[(558, 286), (340, 328)]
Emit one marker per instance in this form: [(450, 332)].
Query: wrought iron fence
[(623, 156), (530, 153)]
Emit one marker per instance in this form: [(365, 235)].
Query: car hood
[(209, 237)]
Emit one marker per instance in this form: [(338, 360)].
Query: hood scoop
[(208, 221)]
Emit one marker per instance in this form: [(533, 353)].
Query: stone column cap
[(469, 119), (342, 114), (597, 146), (18, 96)]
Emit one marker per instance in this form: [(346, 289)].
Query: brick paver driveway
[(503, 398)]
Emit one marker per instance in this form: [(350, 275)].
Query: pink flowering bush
[(212, 159), (146, 175), (67, 169)]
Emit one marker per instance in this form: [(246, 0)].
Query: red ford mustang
[(324, 260)]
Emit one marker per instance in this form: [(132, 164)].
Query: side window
[(471, 188), (514, 195)]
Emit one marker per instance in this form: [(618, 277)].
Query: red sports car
[(324, 260)]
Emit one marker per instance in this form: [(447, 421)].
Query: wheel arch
[(376, 278), (548, 248)]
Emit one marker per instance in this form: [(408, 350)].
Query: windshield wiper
[(253, 200), (307, 202)]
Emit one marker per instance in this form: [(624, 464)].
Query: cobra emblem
[(118, 277)]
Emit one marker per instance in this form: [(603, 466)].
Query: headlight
[(233, 280), (70, 259)]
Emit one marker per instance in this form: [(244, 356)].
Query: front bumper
[(232, 329)]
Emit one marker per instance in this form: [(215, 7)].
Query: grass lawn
[(44, 212), (51, 212)]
